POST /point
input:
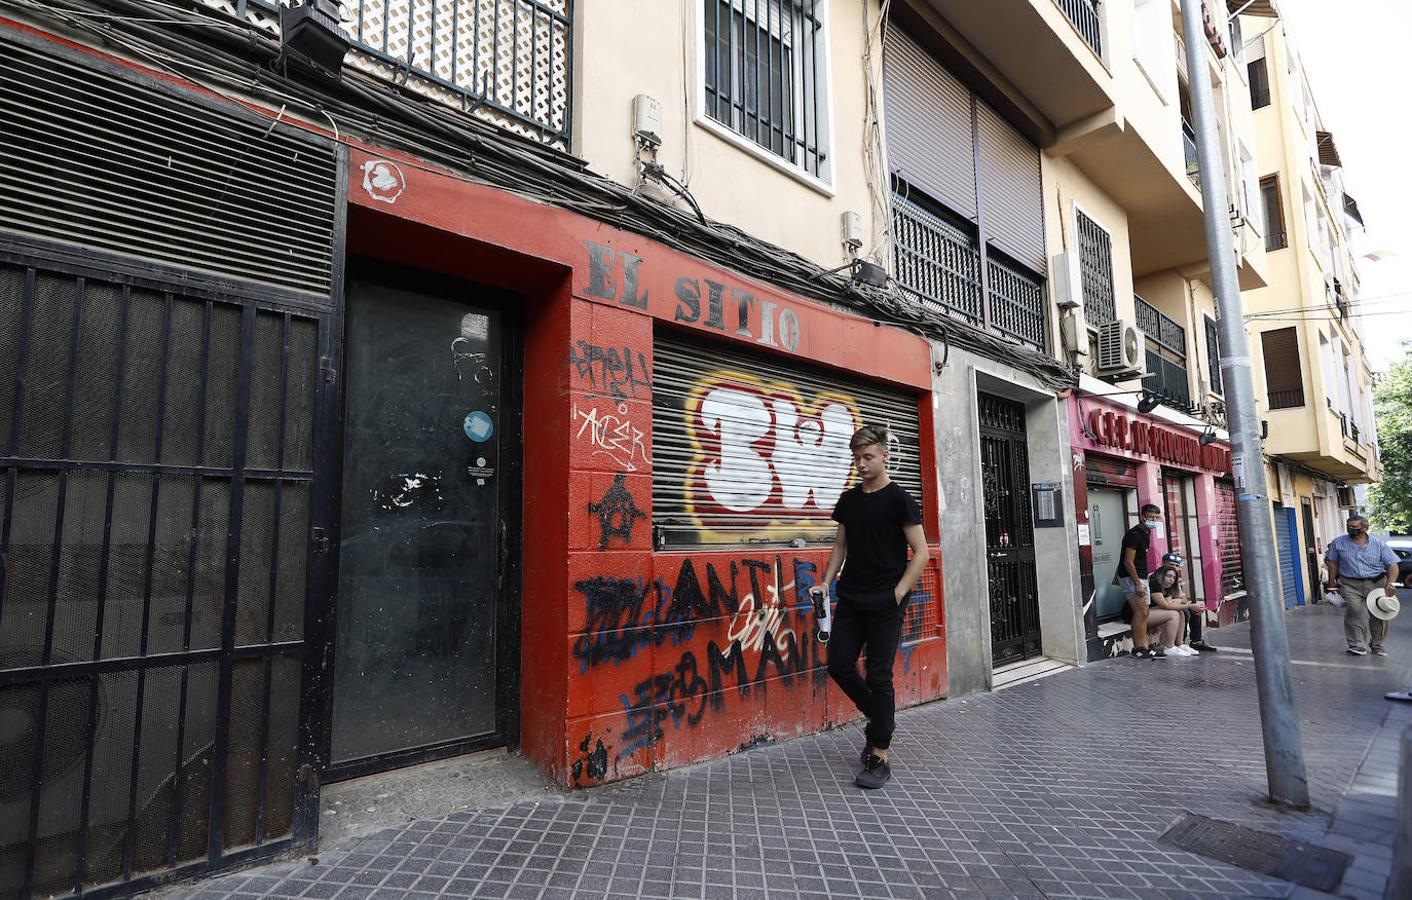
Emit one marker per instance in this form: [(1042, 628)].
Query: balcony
[(1166, 356), (1193, 163), (508, 62), (1083, 14), (939, 265), (1276, 240)]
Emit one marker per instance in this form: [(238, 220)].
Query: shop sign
[(1163, 444), (619, 276)]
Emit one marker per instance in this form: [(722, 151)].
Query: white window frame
[(823, 85)]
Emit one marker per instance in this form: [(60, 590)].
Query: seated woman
[(1161, 623), (1165, 589)]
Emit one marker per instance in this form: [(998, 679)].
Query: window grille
[(765, 76), (1213, 356), (1096, 269), (937, 262)]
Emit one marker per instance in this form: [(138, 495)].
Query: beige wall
[(629, 47)]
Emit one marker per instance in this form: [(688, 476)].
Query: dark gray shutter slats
[(1010, 184), (107, 161), (684, 510), (1281, 354), (928, 124)]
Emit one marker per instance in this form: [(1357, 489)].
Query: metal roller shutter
[(1010, 189), (1289, 567), (1228, 539), (753, 449), (928, 124)]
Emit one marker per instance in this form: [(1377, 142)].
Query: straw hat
[(1381, 605)]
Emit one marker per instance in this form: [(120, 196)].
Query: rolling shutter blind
[(1010, 189), (1289, 572), (1228, 539), (1284, 382), (928, 124), (753, 449)]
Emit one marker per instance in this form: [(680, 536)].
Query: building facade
[(467, 380), (1306, 326)]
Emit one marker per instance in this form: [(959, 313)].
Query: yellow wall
[(629, 47)]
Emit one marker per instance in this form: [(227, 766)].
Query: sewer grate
[(1259, 851)]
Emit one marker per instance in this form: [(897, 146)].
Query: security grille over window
[(111, 163), (508, 62), (1016, 302), (1096, 269), (1213, 355), (1166, 355), (753, 449), (765, 76)]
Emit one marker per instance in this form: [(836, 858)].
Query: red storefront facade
[(634, 658)]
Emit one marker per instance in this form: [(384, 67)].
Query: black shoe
[(1357, 651), (863, 754), (876, 773), (1379, 651), (1142, 653), (1159, 653), (1203, 647)]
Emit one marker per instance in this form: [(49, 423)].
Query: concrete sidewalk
[(1055, 788)]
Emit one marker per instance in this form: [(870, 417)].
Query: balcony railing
[(1193, 164), (1083, 14), (1288, 399), (506, 61), (1166, 355), (1276, 240), (936, 261), (939, 264)]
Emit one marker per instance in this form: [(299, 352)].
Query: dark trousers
[(1194, 620), (871, 623)]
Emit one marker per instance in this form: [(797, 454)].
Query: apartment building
[(1313, 379)]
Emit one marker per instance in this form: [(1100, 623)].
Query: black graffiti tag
[(616, 512), (620, 373), (593, 762), (679, 695)]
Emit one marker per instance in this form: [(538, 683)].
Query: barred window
[(765, 77), (1096, 269), (1213, 356)]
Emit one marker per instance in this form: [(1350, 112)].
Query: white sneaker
[(1180, 650)]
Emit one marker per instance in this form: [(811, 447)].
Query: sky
[(1358, 58)]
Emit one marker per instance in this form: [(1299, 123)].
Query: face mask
[(1354, 532), (1152, 525)]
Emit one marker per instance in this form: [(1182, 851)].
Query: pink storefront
[(1123, 459)]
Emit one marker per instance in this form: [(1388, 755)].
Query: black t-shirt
[(1137, 538), (1154, 586), (872, 526)]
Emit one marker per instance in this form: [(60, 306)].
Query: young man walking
[(1359, 563), (877, 522), (1132, 577)]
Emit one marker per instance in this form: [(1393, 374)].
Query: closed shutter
[(1010, 189), (1228, 540), (1213, 356), (752, 449), (1284, 382), (1289, 568), (928, 124)]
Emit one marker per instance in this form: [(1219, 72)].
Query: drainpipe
[(1284, 757)]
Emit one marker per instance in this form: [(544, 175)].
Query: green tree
[(1392, 407)]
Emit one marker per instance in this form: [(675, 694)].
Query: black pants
[(871, 623), (1194, 620)]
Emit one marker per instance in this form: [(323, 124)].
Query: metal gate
[(1009, 531), (168, 269), (158, 501)]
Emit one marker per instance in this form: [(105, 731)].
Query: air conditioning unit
[(1122, 349)]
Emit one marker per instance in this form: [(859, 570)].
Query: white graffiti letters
[(807, 457), (613, 435)]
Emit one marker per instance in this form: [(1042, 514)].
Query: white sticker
[(1238, 472), (1083, 534)]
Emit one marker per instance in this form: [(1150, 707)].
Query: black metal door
[(158, 499), (1311, 555), (1009, 531)]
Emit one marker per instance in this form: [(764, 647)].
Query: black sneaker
[(1142, 653), (1159, 653), (1357, 651), (876, 773), (1203, 647), (863, 754), (1379, 651)]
